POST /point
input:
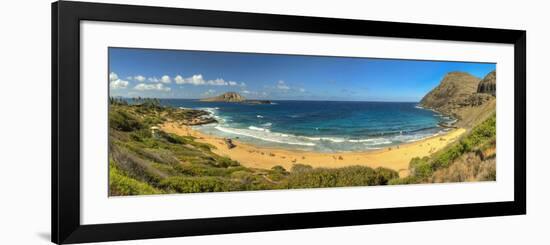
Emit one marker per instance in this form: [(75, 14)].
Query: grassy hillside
[(147, 162), (470, 159)]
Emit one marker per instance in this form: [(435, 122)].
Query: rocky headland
[(465, 97)]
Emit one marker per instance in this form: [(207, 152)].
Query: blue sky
[(199, 74)]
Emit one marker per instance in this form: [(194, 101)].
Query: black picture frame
[(66, 18)]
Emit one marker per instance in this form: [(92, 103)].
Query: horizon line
[(379, 101)]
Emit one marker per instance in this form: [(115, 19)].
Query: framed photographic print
[(177, 122)]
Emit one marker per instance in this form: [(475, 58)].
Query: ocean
[(323, 126)]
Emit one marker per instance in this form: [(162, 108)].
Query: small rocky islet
[(234, 97)]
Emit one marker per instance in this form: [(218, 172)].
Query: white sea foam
[(365, 140), (335, 140), (259, 116), (383, 142), (210, 110), (213, 111), (265, 135), (259, 129), (373, 148), (332, 139), (414, 138), (282, 138)]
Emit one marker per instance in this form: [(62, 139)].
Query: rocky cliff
[(458, 95), (450, 93), (226, 97), (488, 85)]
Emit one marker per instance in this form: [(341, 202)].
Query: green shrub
[(404, 181), (277, 173), (445, 158), (339, 177), (123, 121), (421, 167), (140, 134), (300, 168), (279, 169), (172, 138), (242, 174), (481, 135), (479, 138), (225, 162), (198, 184), (384, 175), (122, 185), (152, 120)]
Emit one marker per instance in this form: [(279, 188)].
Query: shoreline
[(249, 155)]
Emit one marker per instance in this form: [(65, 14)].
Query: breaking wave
[(266, 135)]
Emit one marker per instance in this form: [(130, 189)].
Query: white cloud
[(115, 82), (113, 76), (246, 92), (217, 82), (157, 87), (302, 90), (209, 92), (139, 78), (178, 79), (165, 79), (198, 79), (282, 85), (195, 80), (118, 84), (153, 79)]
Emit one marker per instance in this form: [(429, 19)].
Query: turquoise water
[(325, 126)]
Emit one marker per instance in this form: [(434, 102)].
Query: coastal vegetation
[(470, 159)]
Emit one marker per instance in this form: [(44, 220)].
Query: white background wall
[(25, 121)]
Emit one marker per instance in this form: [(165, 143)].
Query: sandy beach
[(396, 157)]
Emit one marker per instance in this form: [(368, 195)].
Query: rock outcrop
[(451, 93), (488, 85), (235, 98), (226, 97), (458, 95)]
